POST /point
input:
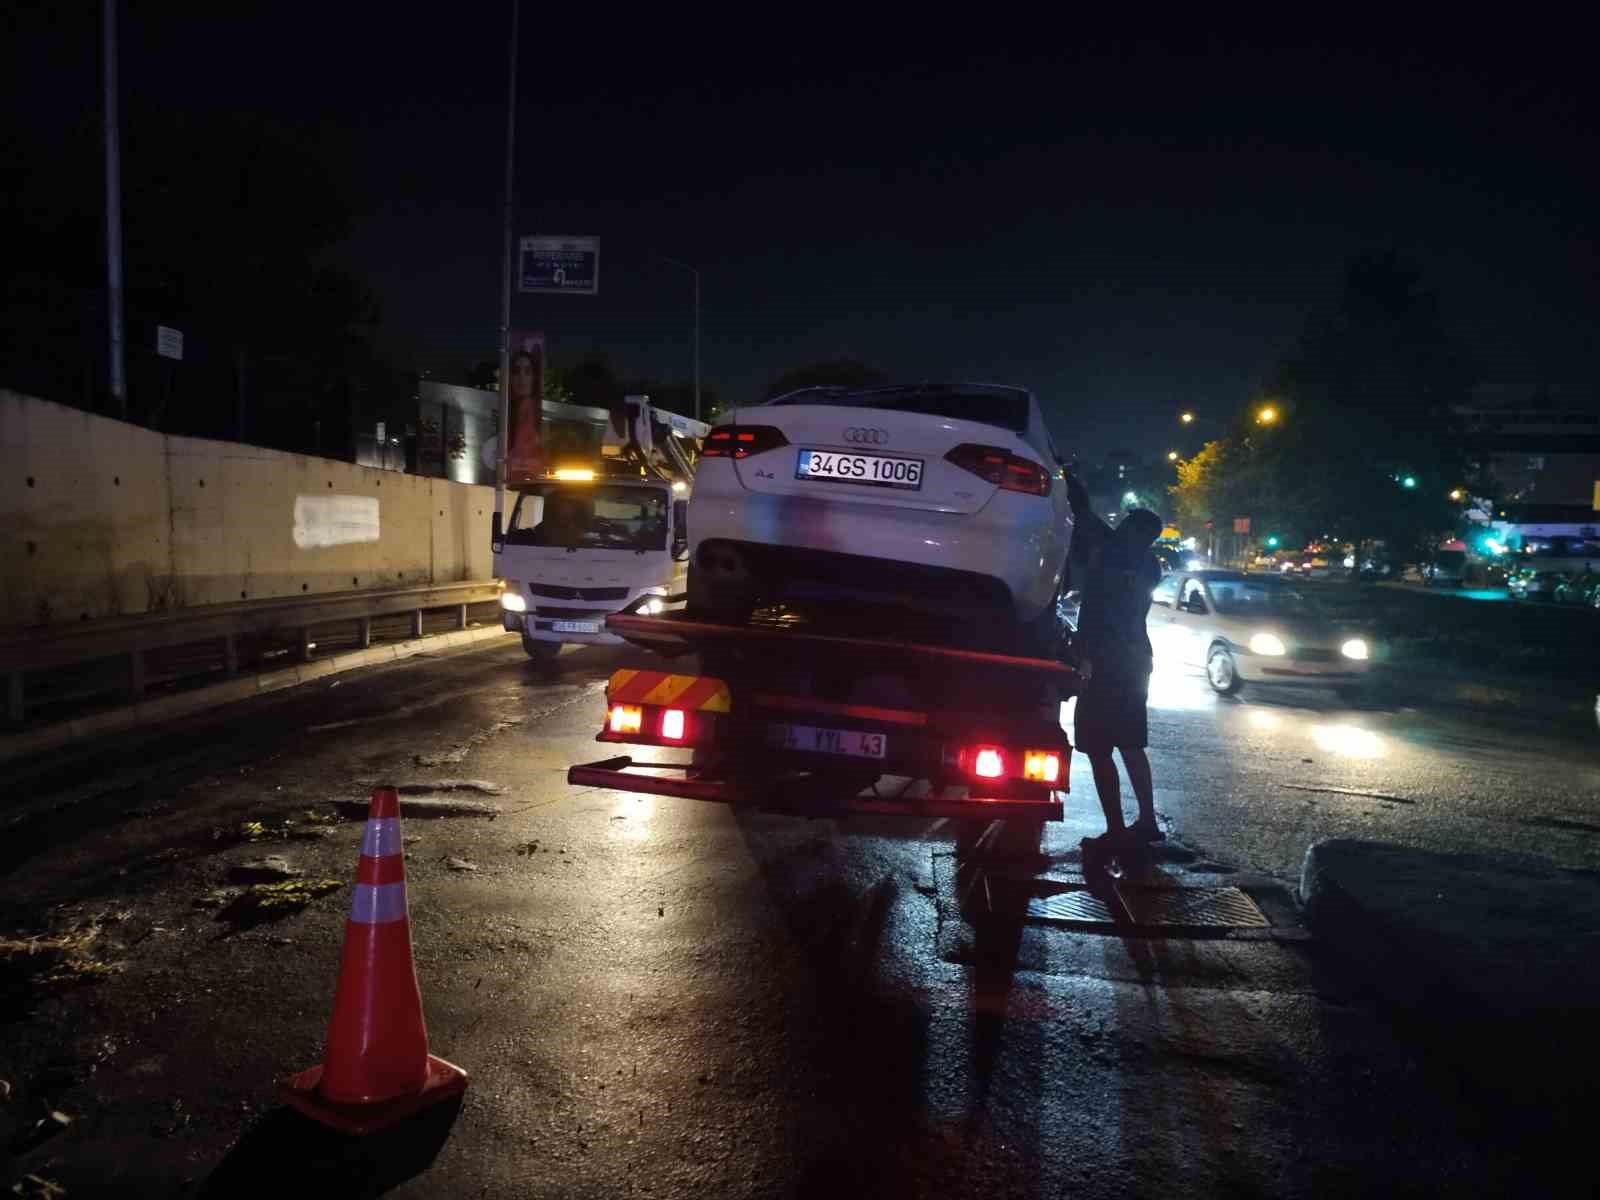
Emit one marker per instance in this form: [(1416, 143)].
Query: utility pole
[(119, 384), (505, 282)]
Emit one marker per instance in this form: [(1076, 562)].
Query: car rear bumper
[(1006, 556)]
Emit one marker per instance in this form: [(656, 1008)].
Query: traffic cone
[(377, 1069)]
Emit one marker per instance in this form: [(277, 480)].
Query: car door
[(1194, 616), (1165, 638)]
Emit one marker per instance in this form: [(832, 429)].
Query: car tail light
[(1041, 766), (626, 718), (741, 441), (983, 762), (673, 724), (1008, 472)]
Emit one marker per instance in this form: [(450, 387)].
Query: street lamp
[(695, 271), (1267, 415), (1187, 418), (1456, 495), (1172, 456)]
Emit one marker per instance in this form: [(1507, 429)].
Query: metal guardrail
[(133, 637)]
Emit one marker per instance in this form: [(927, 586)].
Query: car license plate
[(575, 626), (828, 741), (872, 470)]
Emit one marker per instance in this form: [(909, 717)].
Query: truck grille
[(556, 592), (572, 614)]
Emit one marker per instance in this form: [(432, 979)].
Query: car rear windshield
[(1003, 407)]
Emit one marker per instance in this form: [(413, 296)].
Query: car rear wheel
[(1221, 673)]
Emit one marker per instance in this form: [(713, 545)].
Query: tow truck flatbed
[(793, 715)]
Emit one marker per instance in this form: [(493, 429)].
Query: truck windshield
[(592, 517)]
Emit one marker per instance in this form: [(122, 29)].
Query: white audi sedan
[(945, 500)]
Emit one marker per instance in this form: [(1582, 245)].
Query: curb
[(1491, 962), (166, 708)]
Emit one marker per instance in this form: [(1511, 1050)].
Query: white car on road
[(1252, 629), (945, 500)]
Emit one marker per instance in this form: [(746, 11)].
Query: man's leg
[(1109, 788), (1138, 764)]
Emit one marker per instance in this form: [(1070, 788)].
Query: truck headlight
[(1267, 643), (513, 602), (1354, 648)]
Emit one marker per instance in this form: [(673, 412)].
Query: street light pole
[(113, 138), (508, 267)]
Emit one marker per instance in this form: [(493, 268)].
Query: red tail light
[(741, 441), (673, 725), (1008, 472), (984, 762)]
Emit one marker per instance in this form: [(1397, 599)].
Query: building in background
[(1542, 445)]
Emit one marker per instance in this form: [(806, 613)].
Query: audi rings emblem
[(862, 435)]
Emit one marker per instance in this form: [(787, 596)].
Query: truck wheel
[(540, 652)]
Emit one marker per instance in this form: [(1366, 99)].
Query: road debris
[(482, 786), (460, 864), (423, 807), (447, 758), (46, 961), (269, 901), (270, 869), (36, 1187), (528, 849), (217, 897)]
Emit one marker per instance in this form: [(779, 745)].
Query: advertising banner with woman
[(525, 458)]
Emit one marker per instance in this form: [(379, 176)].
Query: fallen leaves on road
[(270, 869), (269, 901), (460, 864), (36, 1187), (45, 961)]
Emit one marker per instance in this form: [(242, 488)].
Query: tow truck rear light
[(1041, 766), (626, 718), (983, 762), (741, 441), (1008, 472), (673, 724)]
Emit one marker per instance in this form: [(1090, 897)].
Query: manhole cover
[(1210, 911)]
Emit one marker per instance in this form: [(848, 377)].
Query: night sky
[(1128, 228)]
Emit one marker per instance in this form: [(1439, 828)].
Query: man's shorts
[(1111, 711)]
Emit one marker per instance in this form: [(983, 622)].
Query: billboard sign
[(525, 448), (567, 266)]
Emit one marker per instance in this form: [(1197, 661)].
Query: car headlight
[(651, 606), (513, 602), (1267, 643), (1354, 648)]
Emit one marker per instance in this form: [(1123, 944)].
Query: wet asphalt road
[(662, 997)]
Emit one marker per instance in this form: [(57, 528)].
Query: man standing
[(1117, 572)]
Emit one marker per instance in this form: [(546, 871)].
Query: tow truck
[(601, 536), (820, 714)]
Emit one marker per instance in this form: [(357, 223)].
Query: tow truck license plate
[(575, 626), (874, 470), (828, 741)]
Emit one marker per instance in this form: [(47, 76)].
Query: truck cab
[(608, 536), (580, 547)]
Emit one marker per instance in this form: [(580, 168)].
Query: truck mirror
[(497, 537)]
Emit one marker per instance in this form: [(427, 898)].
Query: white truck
[(602, 536)]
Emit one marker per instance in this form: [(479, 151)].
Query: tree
[(838, 372), (1363, 403)]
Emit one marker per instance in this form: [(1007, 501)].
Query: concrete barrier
[(101, 518)]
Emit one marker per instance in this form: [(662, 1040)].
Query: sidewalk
[(192, 700), (1496, 964)]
